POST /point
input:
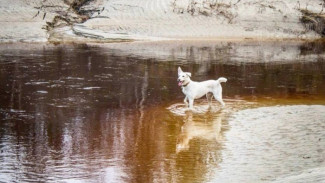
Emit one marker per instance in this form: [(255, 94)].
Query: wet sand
[(274, 143), (114, 113)]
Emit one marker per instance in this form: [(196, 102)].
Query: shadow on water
[(112, 113)]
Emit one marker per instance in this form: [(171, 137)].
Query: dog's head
[(183, 77)]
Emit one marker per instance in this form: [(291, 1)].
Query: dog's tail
[(222, 79)]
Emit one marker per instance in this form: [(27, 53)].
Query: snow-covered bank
[(125, 20)]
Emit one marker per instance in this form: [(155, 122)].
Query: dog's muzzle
[(180, 83)]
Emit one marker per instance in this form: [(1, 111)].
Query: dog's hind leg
[(218, 96), (209, 97), (221, 101)]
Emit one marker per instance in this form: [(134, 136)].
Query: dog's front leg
[(185, 101), (191, 101)]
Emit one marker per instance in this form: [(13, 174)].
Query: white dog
[(194, 90)]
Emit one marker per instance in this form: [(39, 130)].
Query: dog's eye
[(182, 76)]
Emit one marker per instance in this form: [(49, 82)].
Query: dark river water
[(114, 113)]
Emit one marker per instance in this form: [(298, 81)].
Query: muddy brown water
[(114, 113)]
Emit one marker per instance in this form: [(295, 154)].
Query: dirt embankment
[(126, 20), (314, 21)]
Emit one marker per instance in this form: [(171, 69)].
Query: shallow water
[(114, 113)]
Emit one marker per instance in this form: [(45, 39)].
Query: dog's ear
[(179, 70), (188, 73)]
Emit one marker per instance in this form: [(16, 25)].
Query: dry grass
[(313, 21), (206, 8)]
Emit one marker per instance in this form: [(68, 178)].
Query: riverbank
[(95, 21)]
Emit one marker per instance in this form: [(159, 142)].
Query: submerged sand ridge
[(125, 20), (290, 140)]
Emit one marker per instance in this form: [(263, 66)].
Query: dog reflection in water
[(203, 126)]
